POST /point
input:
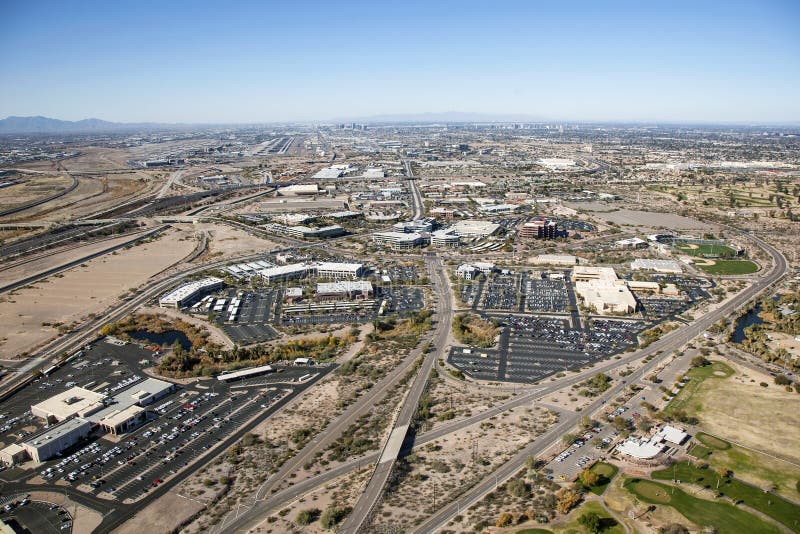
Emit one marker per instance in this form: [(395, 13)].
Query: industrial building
[(399, 240), (55, 439), (184, 294), (345, 289), (602, 291), (661, 266)]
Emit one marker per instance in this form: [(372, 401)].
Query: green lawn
[(706, 250), (749, 465), (608, 471), (724, 517), (777, 508), (609, 524), (700, 451), (715, 370), (711, 441), (729, 267)]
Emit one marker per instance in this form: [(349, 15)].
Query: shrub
[(306, 517)]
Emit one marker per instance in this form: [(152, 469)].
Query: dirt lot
[(643, 219), (226, 241), (31, 316), (53, 258), (32, 188), (162, 515)]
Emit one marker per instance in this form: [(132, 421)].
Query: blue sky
[(182, 61)]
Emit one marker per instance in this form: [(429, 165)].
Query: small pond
[(164, 339)]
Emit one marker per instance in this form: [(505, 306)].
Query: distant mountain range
[(46, 125)]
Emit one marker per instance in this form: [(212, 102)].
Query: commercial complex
[(602, 291), (661, 266), (184, 294), (469, 271), (445, 238), (348, 289), (306, 232), (337, 270), (555, 259), (53, 440), (475, 228), (399, 240), (73, 402)]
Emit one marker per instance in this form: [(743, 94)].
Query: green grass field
[(724, 517), (729, 267), (606, 470), (706, 250), (715, 370), (752, 466), (700, 451), (713, 442), (775, 507)]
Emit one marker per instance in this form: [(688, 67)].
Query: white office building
[(185, 293)]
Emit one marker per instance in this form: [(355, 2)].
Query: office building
[(184, 294)]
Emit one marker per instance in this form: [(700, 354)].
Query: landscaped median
[(724, 517)]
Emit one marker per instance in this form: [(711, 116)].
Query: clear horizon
[(195, 62)]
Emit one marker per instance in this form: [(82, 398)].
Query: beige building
[(75, 401), (602, 291)]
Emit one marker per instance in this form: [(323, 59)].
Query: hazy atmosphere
[(286, 61)]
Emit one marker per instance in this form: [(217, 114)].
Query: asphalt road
[(241, 522), (374, 489)]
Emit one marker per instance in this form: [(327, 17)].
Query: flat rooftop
[(55, 433), (74, 401)]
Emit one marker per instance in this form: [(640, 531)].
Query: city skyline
[(252, 63)]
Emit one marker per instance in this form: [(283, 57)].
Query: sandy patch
[(89, 288), (227, 241), (54, 258), (165, 514)]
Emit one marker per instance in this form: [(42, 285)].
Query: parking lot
[(252, 323), (546, 295), (26, 515), (533, 348), (501, 292), (402, 300), (469, 293), (179, 428)]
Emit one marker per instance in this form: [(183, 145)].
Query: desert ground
[(31, 315)]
